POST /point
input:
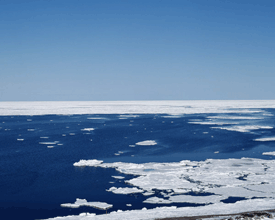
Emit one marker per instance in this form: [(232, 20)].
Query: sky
[(111, 50)]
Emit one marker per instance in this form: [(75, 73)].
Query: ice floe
[(124, 190), (269, 153), (244, 128), (49, 143), (83, 202), (265, 139), (211, 123), (87, 129), (20, 139), (118, 177), (222, 178), (149, 142), (235, 117)]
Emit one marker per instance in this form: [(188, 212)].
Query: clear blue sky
[(78, 50)]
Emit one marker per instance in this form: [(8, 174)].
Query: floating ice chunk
[(20, 139), (71, 133), (63, 135), (118, 177), (97, 118), (149, 142), (31, 129), (235, 117), (205, 132), (265, 139), (59, 144), (172, 116), (87, 129), (44, 137), (49, 143), (124, 190), (129, 205), (244, 128), (269, 153), (216, 152), (92, 163), (148, 193), (83, 202), (50, 146), (132, 145), (211, 123)]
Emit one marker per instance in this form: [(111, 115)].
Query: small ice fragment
[(63, 135), (51, 143), (59, 144), (149, 142), (87, 129), (29, 119), (44, 137), (216, 152), (72, 134), (20, 139), (205, 132), (116, 154), (118, 177), (265, 139), (128, 204), (91, 139), (93, 162), (132, 145), (50, 146), (31, 129)]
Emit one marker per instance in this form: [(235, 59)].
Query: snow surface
[(83, 202), (134, 107), (149, 142)]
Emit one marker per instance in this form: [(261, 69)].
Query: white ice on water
[(222, 178), (135, 107), (269, 153), (265, 139), (83, 202), (172, 211), (124, 190), (147, 143), (87, 129), (244, 128)]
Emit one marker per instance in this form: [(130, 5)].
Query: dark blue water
[(35, 180)]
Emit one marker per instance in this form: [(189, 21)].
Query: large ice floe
[(207, 183)]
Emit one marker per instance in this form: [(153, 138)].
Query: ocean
[(39, 156)]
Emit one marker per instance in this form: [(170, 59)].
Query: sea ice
[(135, 107), (83, 202), (149, 142), (244, 128), (265, 139), (49, 143), (124, 190), (87, 129), (20, 139), (269, 153), (118, 177)]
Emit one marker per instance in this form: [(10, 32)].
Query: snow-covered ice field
[(136, 160)]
